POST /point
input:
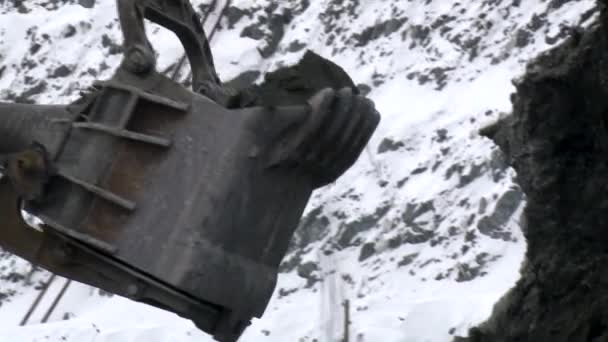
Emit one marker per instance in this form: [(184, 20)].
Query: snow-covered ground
[(421, 236)]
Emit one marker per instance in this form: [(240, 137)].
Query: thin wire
[(37, 300), (56, 301)]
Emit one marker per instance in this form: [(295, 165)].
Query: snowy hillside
[(421, 235)]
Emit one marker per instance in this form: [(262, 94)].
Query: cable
[(56, 301), (37, 300)]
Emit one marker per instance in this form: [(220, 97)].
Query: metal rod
[(49, 312), (181, 106), (123, 133), (37, 300), (107, 195)]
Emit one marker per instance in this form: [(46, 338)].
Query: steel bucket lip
[(75, 260)]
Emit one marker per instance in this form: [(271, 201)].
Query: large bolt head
[(139, 59)]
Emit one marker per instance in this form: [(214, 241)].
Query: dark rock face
[(557, 139)]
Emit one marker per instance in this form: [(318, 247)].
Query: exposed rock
[(26, 96), (367, 251), (253, 31), (296, 46), (234, 14), (442, 135), (86, 3), (35, 48), (286, 292), (309, 271), (439, 75), (537, 21), (312, 228), (112, 46), (384, 28), (558, 3), (417, 235), (556, 139), (523, 37), (270, 28), (69, 31), (335, 10), (62, 71), (467, 273), (5, 295), (498, 165), (388, 144), (416, 231), (483, 205), (419, 34), (494, 225), (414, 210), (402, 182), (408, 259), (419, 170), (475, 172), (350, 230)]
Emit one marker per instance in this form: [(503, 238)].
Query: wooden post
[(346, 321)]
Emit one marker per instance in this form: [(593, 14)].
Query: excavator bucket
[(172, 197)]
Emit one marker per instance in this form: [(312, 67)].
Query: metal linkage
[(182, 60), (214, 28), (179, 17)]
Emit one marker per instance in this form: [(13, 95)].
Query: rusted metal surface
[(163, 195)]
